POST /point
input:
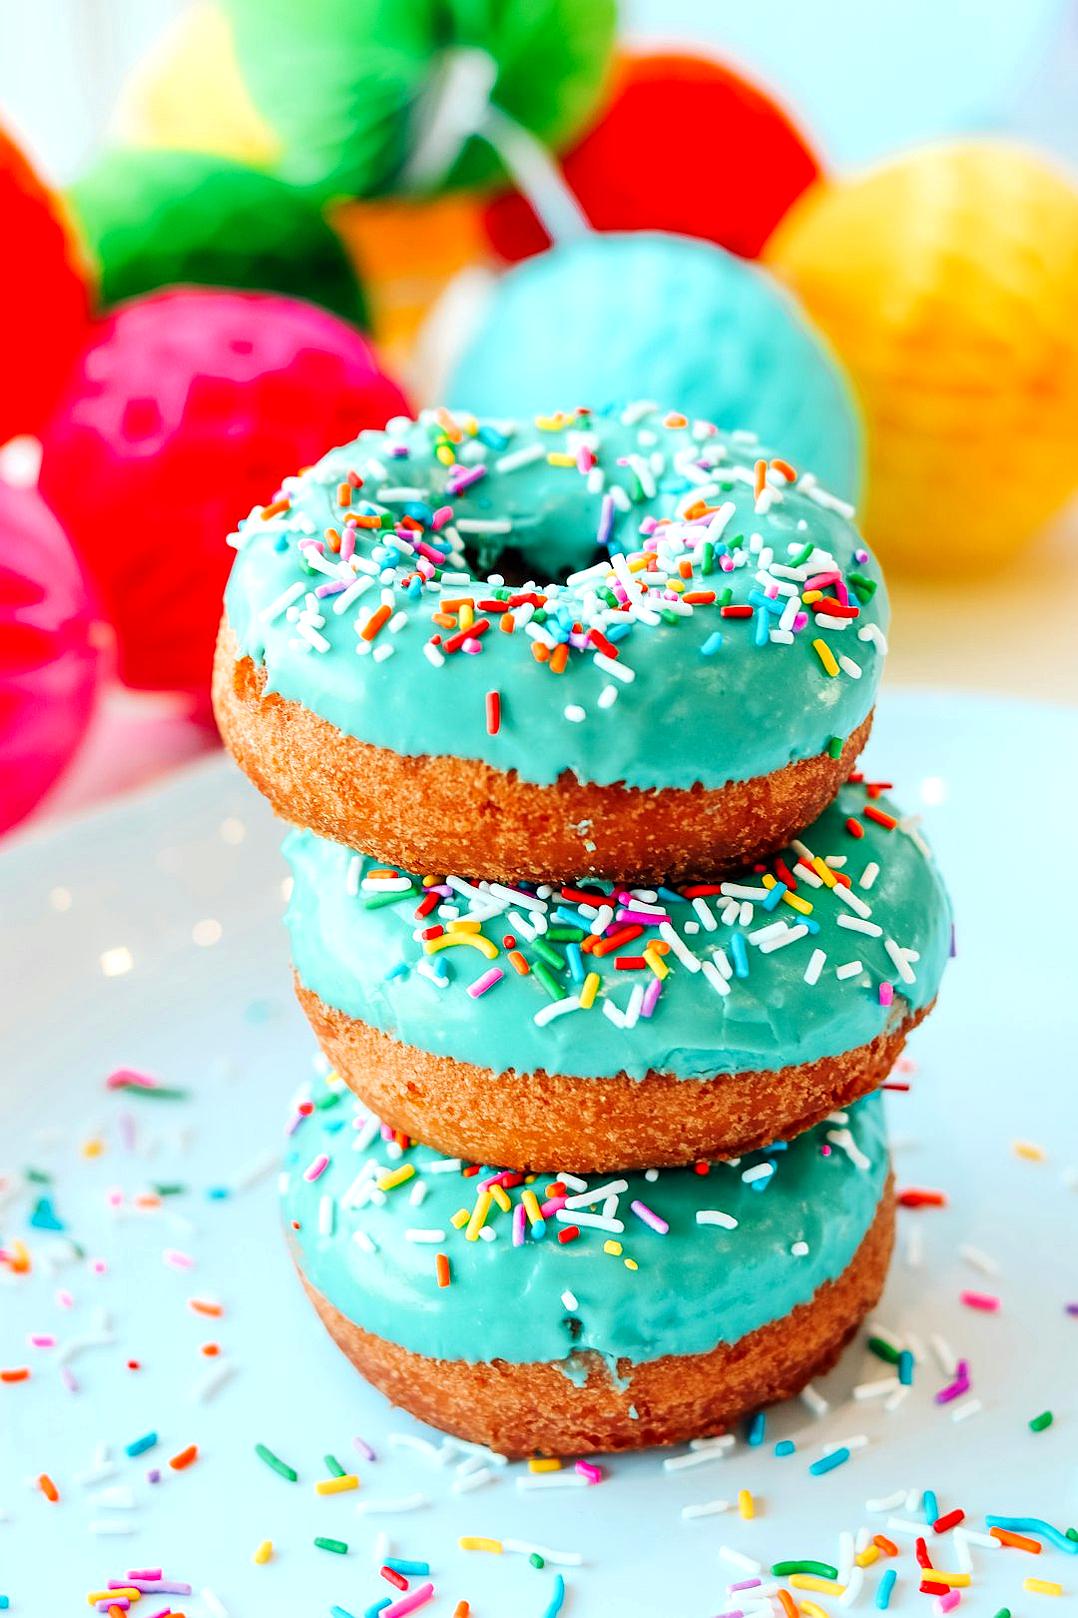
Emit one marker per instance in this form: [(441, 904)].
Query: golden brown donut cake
[(601, 1028), (620, 645), (659, 1307)]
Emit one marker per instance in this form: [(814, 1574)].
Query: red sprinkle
[(950, 1520), (394, 1577), (914, 1198), (880, 816), (494, 713), (568, 1233)]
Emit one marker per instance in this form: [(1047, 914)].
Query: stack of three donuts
[(699, 932)]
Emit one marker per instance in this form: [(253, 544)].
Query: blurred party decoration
[(51, 650), (153, 219), (725, 167), (187, 94), (947, 280), (621, 316), (408, 250), (43, 295), (187, 409), (368, 97)]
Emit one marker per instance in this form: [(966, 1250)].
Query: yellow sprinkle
[(554, 423), (826, 657), (746, 1505), (444, 453), (558, 457), (656, 962), (472, 1542), (613, 1248), (532, 1208), (465, 616), (1030, 1151), (870, 1554), (460, 1218), (810, 1581), (794, 900), (485, 946), (106, 1595), (342, 1485), (464, 925), (589, 991), (639, 562), (812, 1609), (501, 1197), (823, 871), (478, 1216), (93, 1148), (395, 1177), (263, 1553), (812, 595), (544, 1463), (960, 1579), (1042, 1587), (631, 1264), (678, 585)]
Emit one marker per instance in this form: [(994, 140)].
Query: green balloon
[(352, 87), (161, 218)]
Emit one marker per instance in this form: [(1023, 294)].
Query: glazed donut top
[(691, 610), (807, 957), (671, 1261)]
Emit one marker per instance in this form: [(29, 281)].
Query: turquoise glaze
[(358, 951), (695, 1287), (707, 699)]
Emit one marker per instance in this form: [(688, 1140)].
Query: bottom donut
[(649, 1309)]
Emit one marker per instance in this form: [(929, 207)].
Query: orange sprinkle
[(276, 508), (540, 652), (887, 1546), (378, 618), (1017, 1542), (558, 658), (699, 598), (48, 1488), (180, 1462), (202, 1306), (684, 567), (519, 962), (784, 469), (211, 1350), (344, 494), (461, 1610), (19, 1374), (362, 521), (760, 478), (787, 1603), (507, 623), (441, 1269)]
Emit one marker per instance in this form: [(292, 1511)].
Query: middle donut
[(597, 1027)]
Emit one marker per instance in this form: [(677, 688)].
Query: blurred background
[(237, 231)]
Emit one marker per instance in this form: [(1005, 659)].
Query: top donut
[(612, 643)]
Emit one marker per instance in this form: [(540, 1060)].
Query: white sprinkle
[(425, 1234), (714, 1216), (559, 1008), (386, 1508), (738, 1559), (432, 654), (358, 587), (869, 874), (854, 924), (817, 961), (114, 1526), (980, 1261), (790, 936), (900, 959), (847, 897), (855, 1578), (876, 1390), (800, 1249), (593, 1221), (614, 667), (968, 1407), (849, 969), (706, 1508), (307, 632), (715, 977), (608, 696), (569, 1300), (815, 1400), (671, 936), (696, 1457), (575, 713), (213, 1603), (854, 671), (914, 1530), (762, 1171), (897, 1398), (364, 1242), (886, 1502), (587, 1197), (516, 458), (213, 1381), (283, 601)]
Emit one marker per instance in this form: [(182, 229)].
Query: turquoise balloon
[(616, 317)]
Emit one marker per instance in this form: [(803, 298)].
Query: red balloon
[(188, 408), (44, 300), (51, 642), (685, 145)]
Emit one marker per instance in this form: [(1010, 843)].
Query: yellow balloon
[(947, 281), (187, 94)]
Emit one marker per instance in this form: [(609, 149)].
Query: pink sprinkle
[(985, 1301), (42, 1340), (144, 1573), (594, 1474), (177, 1260), (745, 1584), (418, 1598), (585, 458), (948, 1602), (649, 1216), (98, 1266), (518, 1224), (348, 542), (887, 993), (485, 981), (316, 1169), (65, 1300), (129, 1078), (443, 515), (114, 1197), (471, 646), (549, 1208), (332, 587), (651, 997)]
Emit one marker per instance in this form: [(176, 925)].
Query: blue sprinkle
[(785, 1446), (368, 1612), (905, 1372), (557, 1599), (400, 970), (494, 440), (45, 1217), (757, 1425), (762, 629), (616, 632), (218, 1193), (711, 645), (576, 964), (886, 1585), (5, 1603), (400, 1566), (139, 1446), (740, 953), (668, 893), (281, 542), (420, 511), (931, 1506), (1036, 1525), (774, 896), (827, 1463)]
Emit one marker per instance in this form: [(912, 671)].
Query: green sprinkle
[(154, 1092), (668, 615), (565, 935), (282, 1468), (333, 1466), (803, 555), (170, 1189), (822, 1570), (332, 1098), (707, 558), (834, 747), (1039, 1423), (339, 1547), (553, 957), (1004, 1612), (725, 597), (550, 983), (536, 1560), (883, 1350), (378, 901), (1072, 1533), (738, 539), (863, 588), (37, 1176)]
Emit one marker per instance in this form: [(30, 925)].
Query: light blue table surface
[(994, 1065)]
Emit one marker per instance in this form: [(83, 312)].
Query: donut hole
[(518, 566)]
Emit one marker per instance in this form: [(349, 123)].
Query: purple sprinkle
[(364, 1449), (606, 520), (649, 1216)]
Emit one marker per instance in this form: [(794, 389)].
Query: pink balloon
[(50, 651), (188, 408)]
